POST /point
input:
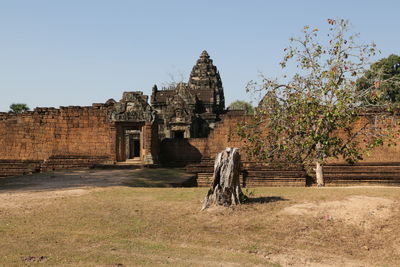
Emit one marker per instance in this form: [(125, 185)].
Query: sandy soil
[(362, 211)]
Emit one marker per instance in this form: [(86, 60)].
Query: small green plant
[(250, 192)]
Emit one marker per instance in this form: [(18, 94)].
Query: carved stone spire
[(205, 76), (204, 55)]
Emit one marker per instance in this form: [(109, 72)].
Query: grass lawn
[(130, 226)]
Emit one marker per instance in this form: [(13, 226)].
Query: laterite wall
[(225, 135), (381, 167), (181, 151), (47, 132)]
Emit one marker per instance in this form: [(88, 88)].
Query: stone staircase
[(135, 163), (385, 174), (275, 178), (61, 162), (19, 167), (254, 175), (71, 162), (257, 175)]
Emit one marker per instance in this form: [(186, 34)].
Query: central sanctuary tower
[(190, 110)]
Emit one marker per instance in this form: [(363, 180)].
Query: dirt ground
[(362, 211), (23, 190), (279, 227)]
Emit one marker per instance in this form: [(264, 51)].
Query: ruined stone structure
[(185, 125), (133, 118), (190, 110), (129, 130)]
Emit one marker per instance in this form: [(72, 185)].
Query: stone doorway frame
[(128, 135), (133, 144)]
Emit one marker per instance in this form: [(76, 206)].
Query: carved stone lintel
[(133, 107)]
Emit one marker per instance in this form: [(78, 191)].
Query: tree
[(386, 70), (242, 105), (19, 108), (225, 189), (314, 115), (175, 78)]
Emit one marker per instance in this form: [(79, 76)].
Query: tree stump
[(225, 189)]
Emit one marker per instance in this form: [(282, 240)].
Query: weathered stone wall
[(70, 137), (225, 135), (48, 132), (381, 167), (180, 151)]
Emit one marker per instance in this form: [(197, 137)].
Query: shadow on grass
[(161, 178), (13, 182), (69, 179), (265, 199)]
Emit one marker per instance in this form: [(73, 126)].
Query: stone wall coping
[(52, 110)]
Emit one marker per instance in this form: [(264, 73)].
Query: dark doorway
[(133, 145), (178, 134), (130, 147), (136, 148)]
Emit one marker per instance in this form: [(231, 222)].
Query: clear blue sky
[(78, 52)]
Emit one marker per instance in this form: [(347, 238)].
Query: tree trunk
[(319, 174), (225, 189)]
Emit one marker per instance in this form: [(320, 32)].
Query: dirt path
[(65, 179), (27, 190)]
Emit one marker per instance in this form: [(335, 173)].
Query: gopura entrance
[(134, 124), (133, 149), (130, 141)]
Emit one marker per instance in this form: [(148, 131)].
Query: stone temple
[(184, 125), (134, 129), (190, 109), (183, 110)]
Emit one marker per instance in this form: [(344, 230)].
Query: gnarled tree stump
[(225, 189)]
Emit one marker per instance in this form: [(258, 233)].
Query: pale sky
[(61, 53)]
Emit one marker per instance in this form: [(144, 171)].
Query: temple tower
[(188, 110), (205, 77)]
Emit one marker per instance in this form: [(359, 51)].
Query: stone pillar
[(114, 142), (120, 144), (147, 140)]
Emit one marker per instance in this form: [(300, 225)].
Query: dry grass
[(129, 226)]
